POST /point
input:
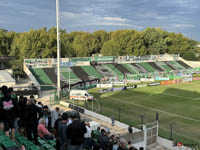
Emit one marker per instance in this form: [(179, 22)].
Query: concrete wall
[(8, 84), (29, 74), (194, 64)]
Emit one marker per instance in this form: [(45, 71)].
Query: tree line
[(42, 43)]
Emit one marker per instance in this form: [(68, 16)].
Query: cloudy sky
[(90, 15)]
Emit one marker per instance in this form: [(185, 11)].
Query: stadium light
[(58, 48)]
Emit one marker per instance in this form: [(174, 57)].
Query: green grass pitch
[(176, 104)]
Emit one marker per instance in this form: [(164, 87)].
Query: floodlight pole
[(58, 48), (69, 74)]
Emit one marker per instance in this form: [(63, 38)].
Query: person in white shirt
[(88, 133), (54, 116)]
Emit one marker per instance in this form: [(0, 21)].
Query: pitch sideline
[(157, 110)]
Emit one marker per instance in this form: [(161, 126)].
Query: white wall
[(28, 72)]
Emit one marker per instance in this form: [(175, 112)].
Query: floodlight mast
[(58, 48)]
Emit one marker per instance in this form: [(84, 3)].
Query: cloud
[(89, 19), (182, 26), (27, 13), (115, 19)]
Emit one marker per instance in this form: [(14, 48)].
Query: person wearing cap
[(62, 131), (9, 112), (32, 116)]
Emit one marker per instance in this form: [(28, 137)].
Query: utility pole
[(58, 48)]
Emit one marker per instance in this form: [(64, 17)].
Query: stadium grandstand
[(88, 71)]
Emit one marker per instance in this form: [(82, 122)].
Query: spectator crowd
[(33, 119)]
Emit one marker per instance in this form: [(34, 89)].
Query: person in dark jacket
[(22, 107), (122, 145), (46, 115), (104, 140), (58, 144), (32, 116), (9, 111), (75, 133), (62, 131)]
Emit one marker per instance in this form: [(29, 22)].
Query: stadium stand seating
[(80, 73), (154, 65), (121, 68), (164, 66), (176, 65), (139, 68), (7, 143), (103, 70), (91, 71), (169, 65), (47, 76), (114, 70), (131, 68), (184, 64), (41, 76), (147, 67), (73, 77), (51, 74)]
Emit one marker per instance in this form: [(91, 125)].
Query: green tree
[(111, 48), (82, 45), (99, 37)]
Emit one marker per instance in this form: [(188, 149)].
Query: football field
[(177, 105)]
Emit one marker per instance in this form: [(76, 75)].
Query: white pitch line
[(171, 95), (177, 95), (157, 110), (195, 99)]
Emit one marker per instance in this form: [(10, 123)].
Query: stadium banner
[(81, 63), (170, 82), (167, 82), (104, 85), (177, 81), (187, 79), (106, 90), (142, 85), (66, 64), (112, 89), (77, 108), (118, 89), (119, 83), (154, 84), (131, 87), (196, 78), (133, 81), (162, 78), (147, 80)]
